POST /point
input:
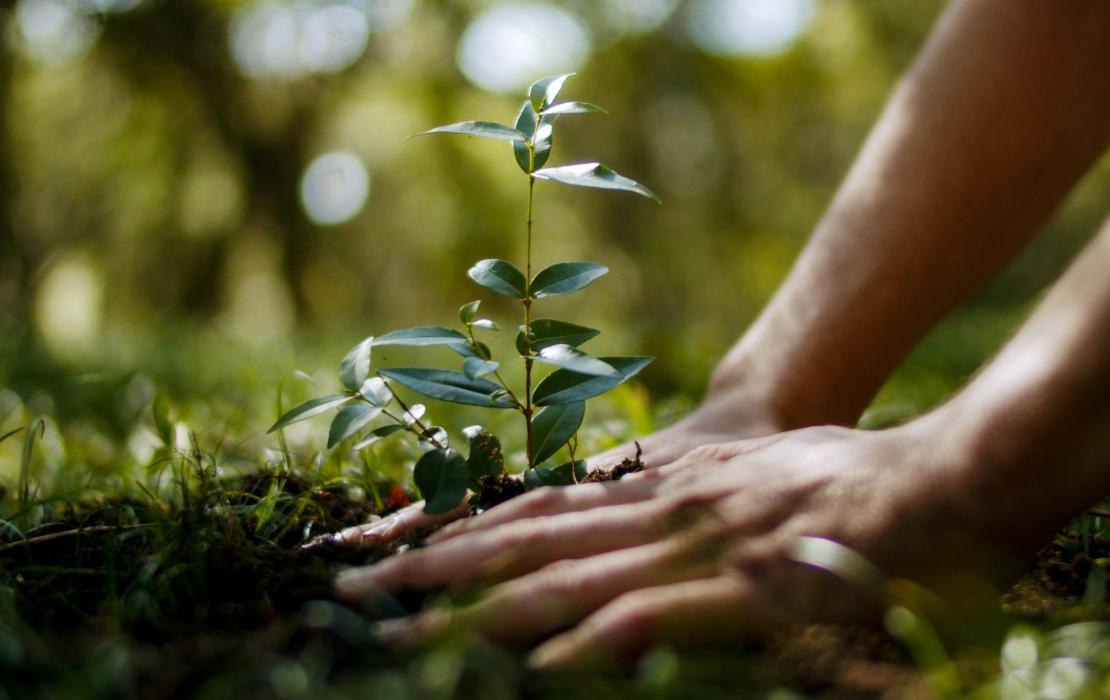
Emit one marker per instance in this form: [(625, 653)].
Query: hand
[(718, 419), (700, 550)]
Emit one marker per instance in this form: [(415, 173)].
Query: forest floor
[(214, 596)]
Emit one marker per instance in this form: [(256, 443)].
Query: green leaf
[(482, 351), (467, 312), (485, 324), (572, 108), (545, 332), (489, 130), (446, 385), (563, 386), (308, 409), (526, 122), (485, 458), (421, 336), (553, 426), (376, 391), (414, 413), (355, 367), (161, 412), (475, 367), (565, 278), (349, 421), (542, 92), (593, 175), (442, 478), (575, 360), (377, 434), (542, 141), (499, 276), (555, 476)]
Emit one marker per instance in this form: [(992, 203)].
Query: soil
[(203, 591)]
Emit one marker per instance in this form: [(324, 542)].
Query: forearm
[(1029, 438), (1005, 108)]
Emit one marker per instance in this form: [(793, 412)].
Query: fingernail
[(376, 531)]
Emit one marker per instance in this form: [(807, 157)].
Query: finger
[(393, 526), (507, 550), (346, 536), (724, 608), (552, 500), (563, 593)]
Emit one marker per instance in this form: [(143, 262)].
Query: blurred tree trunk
[(15, 268), (186, 40)]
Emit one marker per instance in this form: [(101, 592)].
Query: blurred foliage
[(151, 226)]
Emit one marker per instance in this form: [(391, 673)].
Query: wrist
[(1010, 470), (783, 402)]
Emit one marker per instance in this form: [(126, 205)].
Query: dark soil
[(496, 490), (628, 465), (207, 591)]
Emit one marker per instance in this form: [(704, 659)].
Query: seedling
[(552, 408)]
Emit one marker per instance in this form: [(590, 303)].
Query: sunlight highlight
[(69, 306), (334, 188), (53, 33), (289, 40), (508, 46), (747, 27)]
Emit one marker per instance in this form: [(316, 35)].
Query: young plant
[(551, 409)]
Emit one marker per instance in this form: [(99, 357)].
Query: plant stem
[(496, 374), (528, 324), (420, 428)]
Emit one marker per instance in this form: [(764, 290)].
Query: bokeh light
[(107, 6), (332, 38), (508, 46), (747, 27), (288, 40), (334, 188), (52, 32), (69, 305), (623, 17), (385, 15)]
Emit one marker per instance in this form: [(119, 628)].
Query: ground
[(214, 597)]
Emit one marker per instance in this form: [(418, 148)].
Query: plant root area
[(215, 597)]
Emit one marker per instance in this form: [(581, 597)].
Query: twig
[(69, 533)]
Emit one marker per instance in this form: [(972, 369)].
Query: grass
[(149, 548)]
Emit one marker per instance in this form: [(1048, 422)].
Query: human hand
[(700, 550), (718, 419)]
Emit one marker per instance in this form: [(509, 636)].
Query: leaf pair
[(443, 476), (532, 134), (502, 277)]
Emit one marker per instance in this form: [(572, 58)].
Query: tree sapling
[(553, 408)]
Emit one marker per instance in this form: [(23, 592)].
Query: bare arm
[(1006, 106)]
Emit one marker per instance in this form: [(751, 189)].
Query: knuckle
[(522, 534), (541, 499), (563, 577), (635, 610), (713, 452)]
